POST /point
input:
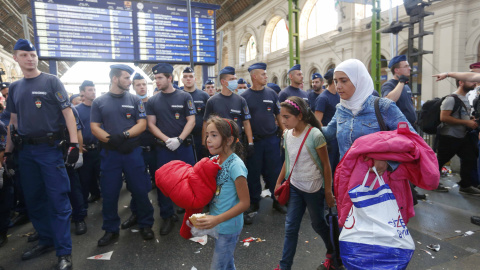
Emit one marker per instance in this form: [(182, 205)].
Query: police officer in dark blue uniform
[(6, 189), (89, 173), (264, 109), (296, 79), (242, 86), (317, 88), (210, 88), (171, 119), (147, 143), (228, 105), (122, 116), (79, 205), (200, 99), (39, 107)]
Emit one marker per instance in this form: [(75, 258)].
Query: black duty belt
[(92, 146), (147, 148), (257, 138), (40, 140)]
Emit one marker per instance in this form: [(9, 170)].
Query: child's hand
[(329, 198), (207, 222), (277, 186)]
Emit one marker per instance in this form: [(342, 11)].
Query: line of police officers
[(125, 138)]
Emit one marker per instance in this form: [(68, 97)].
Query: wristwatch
[(180, 140), (126, 134)]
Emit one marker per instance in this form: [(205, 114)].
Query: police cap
[(227, 70), (241, 81), (329, 74), (4, 85), (275, 87), (188, 70), (296, 67), (85, 84), (257, 66), (73, 97), (397, 59), (123, 67), (162, 68), (138, 76), (24, 45), (316, 76), (209, 82)]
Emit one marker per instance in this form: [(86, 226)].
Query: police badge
[(38, 103)]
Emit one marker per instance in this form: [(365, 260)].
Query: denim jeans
[(224, 250), (299, 201)]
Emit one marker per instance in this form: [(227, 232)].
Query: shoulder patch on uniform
[(60, 97), (141, 107), (245, 110), (190, 105)]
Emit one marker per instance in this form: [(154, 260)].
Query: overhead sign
[(127, 31)]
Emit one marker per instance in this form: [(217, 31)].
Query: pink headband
[(293, 104)]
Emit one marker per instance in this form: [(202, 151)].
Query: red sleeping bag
[(188, 187)]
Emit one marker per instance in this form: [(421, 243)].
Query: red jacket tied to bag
[(188, 187), (418, 164)]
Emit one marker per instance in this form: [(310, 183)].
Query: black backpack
[(429, 118)]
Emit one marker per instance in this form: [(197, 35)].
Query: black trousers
[(462, 147)]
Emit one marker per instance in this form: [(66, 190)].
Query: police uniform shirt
[(232, 107), (312, 96), (200, 99), (171, 111), (78, 121), (326, 103), (147, 138), (84, 112), (404, 103), (3, 136), (38, 103), (292, 91), (117, 112), (264, 106)]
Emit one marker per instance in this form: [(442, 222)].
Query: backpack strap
[(457, 102), (378, 114)]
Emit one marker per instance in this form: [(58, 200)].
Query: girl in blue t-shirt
[(231, 197), (310, 177)]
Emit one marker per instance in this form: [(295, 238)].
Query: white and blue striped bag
[(374, 235)]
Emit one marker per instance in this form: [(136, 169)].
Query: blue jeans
[(299, 201), (224, 250)]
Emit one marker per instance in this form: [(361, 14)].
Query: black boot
[(80, 227), (36, 251), (3, 239), (132, 220), (64, 262), (147, 233), (33, 237), (108, 238), (167, 225)]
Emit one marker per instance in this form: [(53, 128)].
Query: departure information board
[(127, 31)]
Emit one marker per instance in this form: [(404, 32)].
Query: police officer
[(264, 109), (117, 120), (296, 80), (200, 99), (89, 173), (210, 88), (147, 143), (317, 88), (325, 108), (4, 90), (242, 86), (171, 119), (231, 106), (75, 99), (397, 89), (39, 106)]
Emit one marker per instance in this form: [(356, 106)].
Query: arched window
[(323, 18), (251, 50), (285, 81), (330, 67), (275, 80), (279, 36)]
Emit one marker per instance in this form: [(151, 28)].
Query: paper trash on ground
[(104, 256), (200, 239)]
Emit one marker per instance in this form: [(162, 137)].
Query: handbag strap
[(300, 150), (381, 123)]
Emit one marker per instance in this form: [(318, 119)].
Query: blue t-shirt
[(404, 103), (38, 103), (326, 103), (232, 107), (226, 196), (78, 121), (5, 117), (263, 106), (200, 99), (84, 112), (292, 91), (147, 138), (117, 112), (312, 96), (171, 111)]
